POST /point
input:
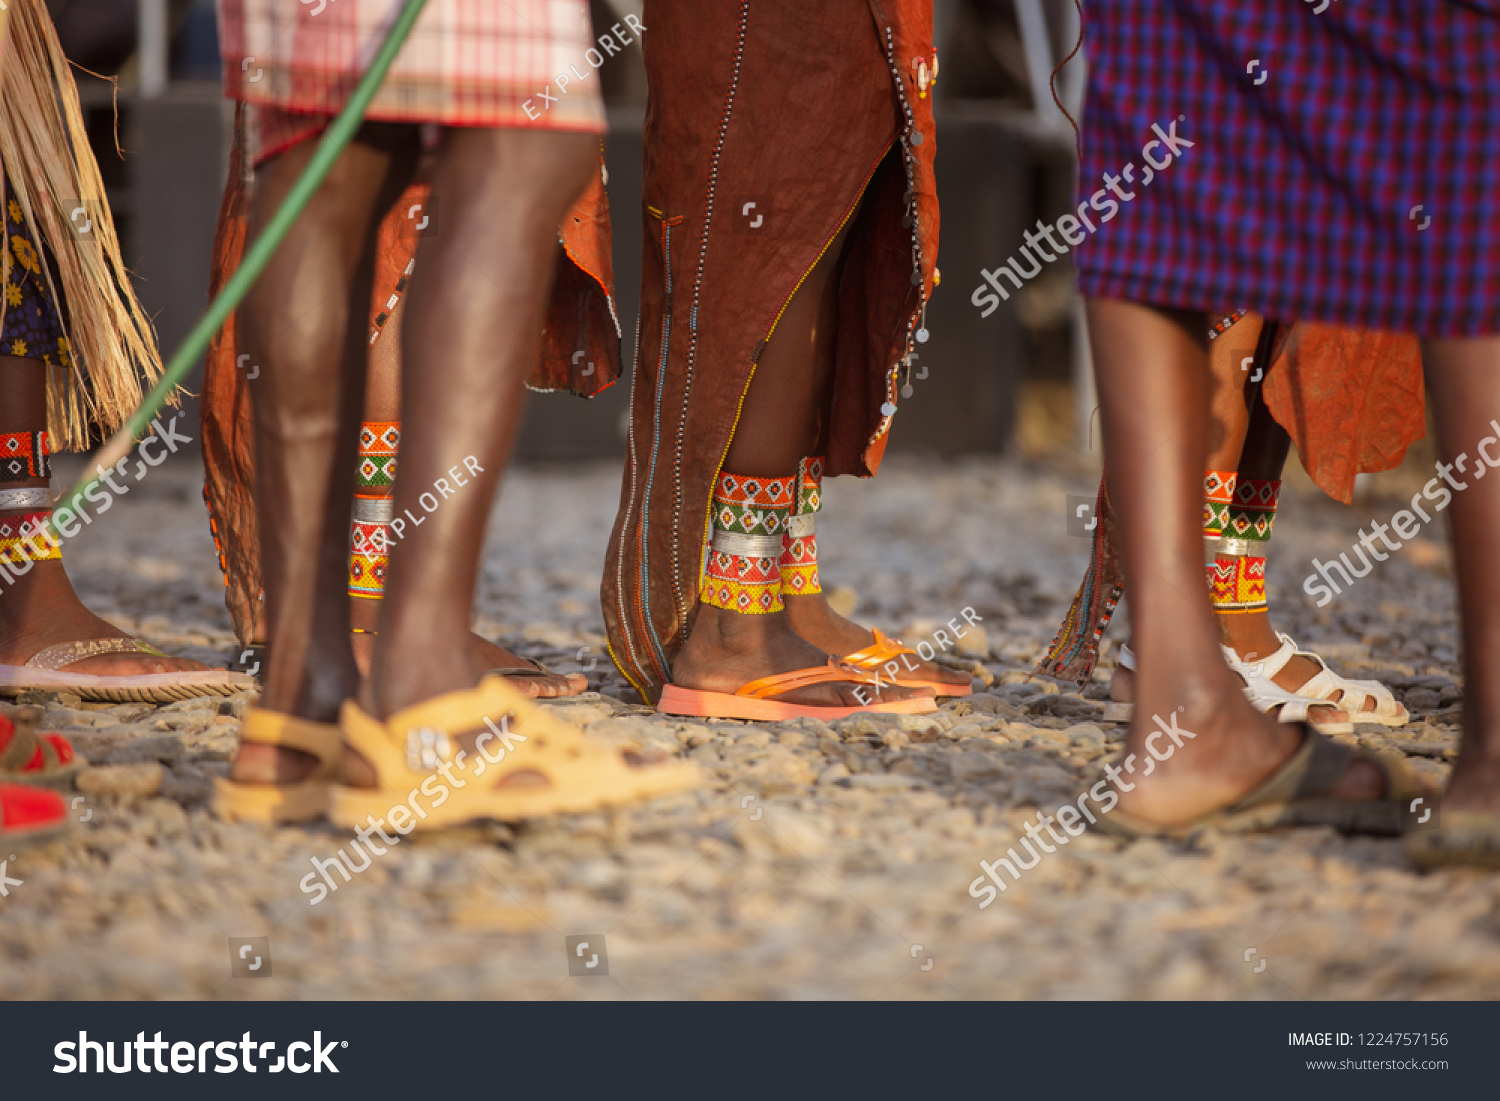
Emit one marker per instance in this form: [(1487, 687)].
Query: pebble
[(975, 643), (136, 780), (1422, 699)]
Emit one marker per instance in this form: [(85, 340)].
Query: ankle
[(734, 632), (1249, 634)]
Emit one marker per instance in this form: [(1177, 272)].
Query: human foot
[(1122, 688), (1252, 637), (41, 610), (1219, 751), (813, 620), (727, 650), (489, 655)]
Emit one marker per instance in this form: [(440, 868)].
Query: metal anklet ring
[(35, 497)]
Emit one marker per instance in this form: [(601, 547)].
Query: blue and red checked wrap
[(1299, 196)]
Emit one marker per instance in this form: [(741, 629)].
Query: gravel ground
[(826, 861)]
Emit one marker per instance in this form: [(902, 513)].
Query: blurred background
[(1018, 380)]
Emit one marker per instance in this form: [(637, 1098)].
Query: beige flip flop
[(299, 801), (44, 672), (527, 763)]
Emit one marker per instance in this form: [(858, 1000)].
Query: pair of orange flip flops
[(883, 664)]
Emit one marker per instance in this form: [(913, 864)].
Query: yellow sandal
[(300, 801), (429, 783)]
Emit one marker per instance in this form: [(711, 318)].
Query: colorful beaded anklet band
[(23, 456), (799, 553), (743, 573), (1254, 511), (369, 546), (1218, 496), (25, 537), (1238, 583), (378, 443)]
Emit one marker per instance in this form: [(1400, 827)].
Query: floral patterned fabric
[(32, 327)]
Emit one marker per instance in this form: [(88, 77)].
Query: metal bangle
[(1234, 548), (35, 497), (374, 510), (800, 527), (747, 546)]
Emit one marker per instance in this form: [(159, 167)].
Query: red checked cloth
[(466, 63)]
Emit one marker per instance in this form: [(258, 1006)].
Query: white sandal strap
[(1324, 683)]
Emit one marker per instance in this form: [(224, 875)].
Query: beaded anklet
[(370, 534), (378, 443), (750, 515), (26, 538), (369, 546), (1239, 572), (799, 552), (23, 456), (1218, 495)]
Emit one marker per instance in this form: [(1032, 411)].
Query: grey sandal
[(1294, 795)]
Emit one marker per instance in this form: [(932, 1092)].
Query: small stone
[(41, 698), (895, 739), (136, 780), (975, 643), (985, 703), (833, 773), (1086, 734), (199, 703), (779, 771), (235, 707), (1422, 699), (134, 712)]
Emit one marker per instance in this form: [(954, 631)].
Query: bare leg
[(382, 404), (39, 608), (304, 320), (1153, 380), (781, 422), (1255, 450), (1463, 385), (472, 332)]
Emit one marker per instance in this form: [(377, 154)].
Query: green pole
[(334, 139)]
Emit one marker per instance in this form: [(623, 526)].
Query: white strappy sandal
[(1325, 685), (1263, 693)]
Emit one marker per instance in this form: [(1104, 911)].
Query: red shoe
[(29, 814), (31, 758)]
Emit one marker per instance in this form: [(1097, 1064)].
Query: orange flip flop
[(751, 701), (886, 652)]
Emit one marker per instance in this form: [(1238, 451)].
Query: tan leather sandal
[(298, 801), (526, 763)]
